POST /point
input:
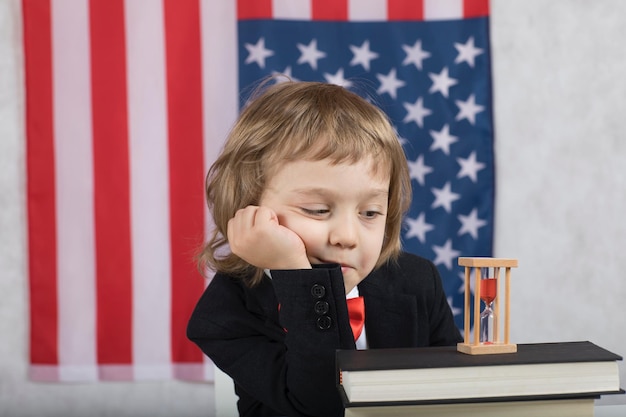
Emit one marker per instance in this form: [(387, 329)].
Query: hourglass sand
[(486, 338)]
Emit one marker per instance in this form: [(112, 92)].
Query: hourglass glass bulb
[(488, 292)]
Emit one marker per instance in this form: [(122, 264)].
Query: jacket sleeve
[(288, 366)]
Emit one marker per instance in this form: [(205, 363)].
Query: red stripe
[(184, 101), (254, 9), (405, 10), (329, 9), (475, 8), (111, 181), (40, 186)]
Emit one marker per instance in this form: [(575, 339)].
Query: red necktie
[(356, 311)]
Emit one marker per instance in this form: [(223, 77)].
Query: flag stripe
[(40, 182), (361, 10), (74, 189), (184, 96), (292, 9), (443, 9), (112, 202), (254, 9), (220, 98), (149, 185), (220, 87), (366, 9), (405, 9), (329, 9), (475, 8)]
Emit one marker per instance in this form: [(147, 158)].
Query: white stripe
[(218, 22), (363, 10), (443, 9), (149, 191), (74, 189), (220, 90), (291, 9)]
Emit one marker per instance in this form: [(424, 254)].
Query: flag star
[(441, 82), (468, 109), (415, 54), (445, 254), (418, 170), (338, 79), (444, 197), (470, 167), (471, 223), (257, 53), (416, 112), (442, 140), (283, 77), (309, 54), (467, 52), (362, 55), (418, 227), (455, 310), (389, 83)]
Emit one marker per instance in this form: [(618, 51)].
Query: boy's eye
[(316, 211), (370, 214)]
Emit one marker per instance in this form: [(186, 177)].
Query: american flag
[(128, 103)]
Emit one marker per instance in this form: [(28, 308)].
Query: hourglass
[(486, 338)]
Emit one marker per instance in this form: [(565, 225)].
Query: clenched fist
[(256, 236)]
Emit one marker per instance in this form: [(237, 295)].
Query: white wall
[(560, 97), (560, 105)]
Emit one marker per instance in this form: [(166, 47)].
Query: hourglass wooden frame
[(498, 345)]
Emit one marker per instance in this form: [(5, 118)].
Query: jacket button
[(318, 291), (324, 323), (321, 307)]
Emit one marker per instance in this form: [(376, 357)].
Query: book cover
[(448, 356), (443, 374)]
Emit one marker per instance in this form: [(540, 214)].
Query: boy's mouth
[(344, 267)]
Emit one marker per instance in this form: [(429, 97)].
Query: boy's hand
[(255, 235)]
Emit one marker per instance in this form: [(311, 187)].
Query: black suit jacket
[(278, 339)]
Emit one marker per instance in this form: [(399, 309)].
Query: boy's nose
[(343, 232)]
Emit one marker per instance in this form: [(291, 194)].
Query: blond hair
[(300, 121)]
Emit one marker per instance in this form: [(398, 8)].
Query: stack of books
[(545, 379)]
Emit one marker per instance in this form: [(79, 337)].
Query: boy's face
[(339, 212)]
